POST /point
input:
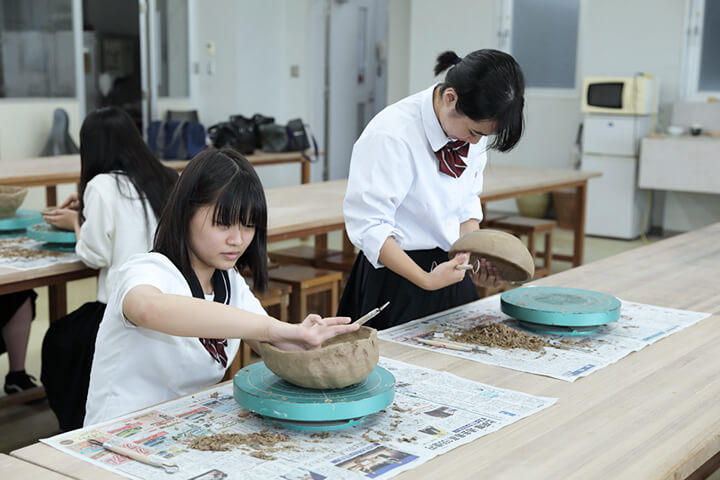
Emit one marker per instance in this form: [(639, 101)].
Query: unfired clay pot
[(338, 363), (10, 200), (506, 252)]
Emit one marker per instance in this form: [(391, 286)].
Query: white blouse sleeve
[(95, 244), (381, 174), (472, 207)]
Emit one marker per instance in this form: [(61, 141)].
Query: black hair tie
[(457, 60)]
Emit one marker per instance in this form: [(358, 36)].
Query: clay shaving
[(21, 252), (499, 335), (223, 442)]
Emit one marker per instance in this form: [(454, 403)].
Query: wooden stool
[(276, 295), (307, 281), (490, 217), (341, 262), (299, 255), (531, 227)]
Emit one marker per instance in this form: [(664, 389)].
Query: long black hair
[(226, 179), (490, 86), (110, 142)]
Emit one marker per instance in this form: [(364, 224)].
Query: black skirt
[(67, 354), (9, 305), (369, 287)]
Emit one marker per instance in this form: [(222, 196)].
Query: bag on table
[(236, 134), (175, 139)]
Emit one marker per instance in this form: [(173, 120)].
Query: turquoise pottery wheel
[(22, 220), (46, 233), (560, 310), (259, 390)]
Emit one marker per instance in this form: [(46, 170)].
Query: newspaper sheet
[(433, 413), (23, 253), (565, 357)]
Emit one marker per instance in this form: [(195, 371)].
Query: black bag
[(293, 137), (258, 120), (227, 134)]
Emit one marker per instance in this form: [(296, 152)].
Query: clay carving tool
[(451, 345), (368, 316), (137, 456)]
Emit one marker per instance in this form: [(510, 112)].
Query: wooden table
[(654, 414), (11, 467), (49, 172), (502, 182)]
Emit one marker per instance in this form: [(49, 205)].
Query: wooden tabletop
[(11, 467), (48, 171), (510, 181), (653, 415)]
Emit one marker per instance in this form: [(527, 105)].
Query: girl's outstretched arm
[(148, 307)]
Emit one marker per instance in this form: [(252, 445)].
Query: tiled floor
[(23, 425)]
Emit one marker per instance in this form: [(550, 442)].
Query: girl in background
[(123, 189), (415, 176), (174, 320), (17, 310)]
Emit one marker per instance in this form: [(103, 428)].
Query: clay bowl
[(341, 361), (10, 200), (506, 252)]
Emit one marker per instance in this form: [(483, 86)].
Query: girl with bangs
[(176, 317)]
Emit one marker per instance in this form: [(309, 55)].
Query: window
[(542, 36), (37, 51), (702, 44)]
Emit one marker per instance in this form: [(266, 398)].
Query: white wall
[(255, 45), (398, 61), (459, 25)]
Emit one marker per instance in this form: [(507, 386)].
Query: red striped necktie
[(450, 159)]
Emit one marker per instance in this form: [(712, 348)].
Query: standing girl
[(176, 315), (415, 176), (122, 191)]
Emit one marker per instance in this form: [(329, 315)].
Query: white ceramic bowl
[(676, 130)]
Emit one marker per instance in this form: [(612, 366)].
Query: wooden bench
[(532, 228), (305, 282)]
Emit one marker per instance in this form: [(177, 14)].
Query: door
[(357, 76), (164, 58)]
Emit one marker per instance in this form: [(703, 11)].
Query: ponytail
[(446, 60)]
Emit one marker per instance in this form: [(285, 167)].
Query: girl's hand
[(446, 274), (311, 333), (487, 275), (71, 202), (62, 218)]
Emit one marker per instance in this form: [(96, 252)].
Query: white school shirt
[(395, 187), (135, 367), (115, 227)]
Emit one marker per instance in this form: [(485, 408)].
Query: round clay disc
[(505, 251)]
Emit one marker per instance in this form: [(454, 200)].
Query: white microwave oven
[(620, 95)]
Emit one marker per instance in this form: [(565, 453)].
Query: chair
[(60, 142), (182, 116)]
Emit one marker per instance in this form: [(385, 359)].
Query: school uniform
[(118, 224), (396, 189), (135, 367)]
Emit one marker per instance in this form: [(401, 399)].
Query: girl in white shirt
[(123, 189), (174, 320), (415, 176)]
